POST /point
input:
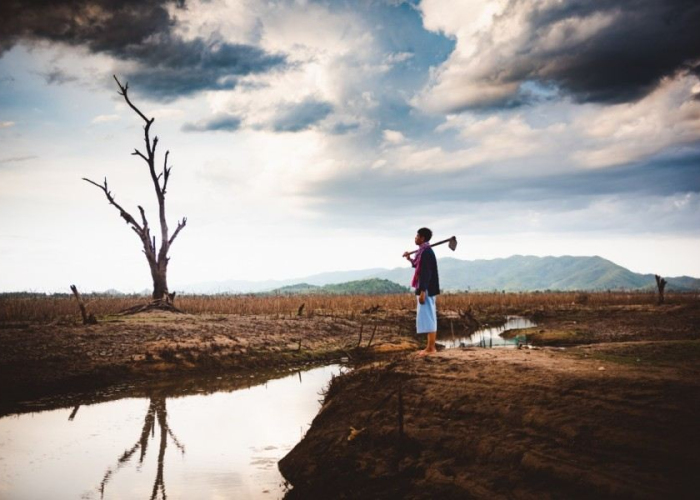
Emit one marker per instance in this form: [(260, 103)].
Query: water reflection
[(490, 337), (233, 440), (156, 412)]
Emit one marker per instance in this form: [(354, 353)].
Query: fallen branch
[(155, 305)]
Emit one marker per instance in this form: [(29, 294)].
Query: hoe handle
[(435, 244)]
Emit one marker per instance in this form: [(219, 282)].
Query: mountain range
[(512, 274), (371, 286)]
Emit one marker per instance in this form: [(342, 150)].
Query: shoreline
[(506, 423), (40, 361)]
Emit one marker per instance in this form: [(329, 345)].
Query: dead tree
[(661, 285), (157, 257)]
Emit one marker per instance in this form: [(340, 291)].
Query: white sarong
[(426, 315)]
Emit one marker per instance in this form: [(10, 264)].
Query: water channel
[(205, 438), (490, 337)]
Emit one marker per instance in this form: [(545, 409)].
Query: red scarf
[(416, 263)]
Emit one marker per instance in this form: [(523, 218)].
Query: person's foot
[(426, 352)]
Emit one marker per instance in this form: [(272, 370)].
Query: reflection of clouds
[(224, 432)]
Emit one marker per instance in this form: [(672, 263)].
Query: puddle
[(222, 444), (490, 337)]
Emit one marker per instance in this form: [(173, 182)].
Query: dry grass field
[(62, 308)]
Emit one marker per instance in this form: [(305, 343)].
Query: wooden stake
[(88, 319), (372, 337)]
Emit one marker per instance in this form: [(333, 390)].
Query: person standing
[(427, 285)]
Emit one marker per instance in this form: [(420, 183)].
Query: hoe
[(451, 242)]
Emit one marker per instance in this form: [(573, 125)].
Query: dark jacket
[(428, 279)]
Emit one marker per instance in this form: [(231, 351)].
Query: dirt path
[(599, 421)]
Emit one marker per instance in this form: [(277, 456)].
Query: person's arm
[(409, 258)]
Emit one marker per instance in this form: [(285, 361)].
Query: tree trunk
[(160, 283), (660, 285)]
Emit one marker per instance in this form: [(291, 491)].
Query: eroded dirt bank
[(615, 417), (46, 360)]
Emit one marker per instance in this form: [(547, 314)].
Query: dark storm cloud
[(172, 67), (561, 46), (221, 123), (301, 116), (650, 39), (138, 31)]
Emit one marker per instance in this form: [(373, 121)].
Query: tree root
[(155, 305)]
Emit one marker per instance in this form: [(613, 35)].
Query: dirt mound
[(506, 424)]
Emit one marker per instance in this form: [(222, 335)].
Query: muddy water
[(222, 444), (490, 337)]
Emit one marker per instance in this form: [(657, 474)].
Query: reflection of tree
[(74, 412), (156, 412)]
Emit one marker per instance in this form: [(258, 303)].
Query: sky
[(314, 136)]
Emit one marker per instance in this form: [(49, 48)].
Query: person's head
[(423, 235)]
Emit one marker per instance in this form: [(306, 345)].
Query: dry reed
[(46, 309)]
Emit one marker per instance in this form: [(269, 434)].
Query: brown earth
[(545, 422), (57, 359), (615, 414)]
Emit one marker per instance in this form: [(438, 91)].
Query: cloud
[(7, 124), (398, 57), (668, 117), (17, 159), (160, 63), (661, 195), (225, 123), (364, 59), (343, 128), (295, 117), (612, 51), (393, 137), (171, 67), (58, 76), (485, 141), (105, 118)]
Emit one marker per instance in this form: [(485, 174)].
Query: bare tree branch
[(123, 89), (166, 172), (139, 153), (123, 213), (180, 225)]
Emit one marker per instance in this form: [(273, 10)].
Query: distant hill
[(292, 289), (372, 286), (243, 286), (516, 273), (528, 273)]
